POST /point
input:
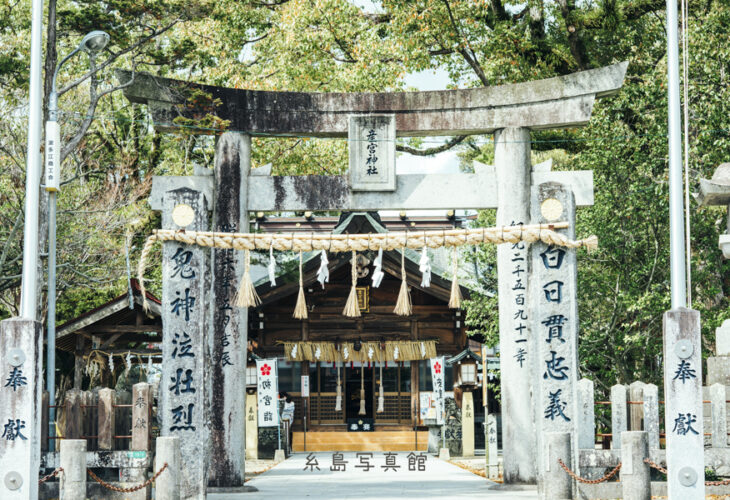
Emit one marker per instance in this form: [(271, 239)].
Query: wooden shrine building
[(432, 330)]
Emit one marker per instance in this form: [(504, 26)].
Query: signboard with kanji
[(268, 393)]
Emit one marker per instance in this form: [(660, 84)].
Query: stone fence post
[(107, 420), (718, 397), (167, 486), (73, 462), (586, 415), (619, 420), (635, 474), (558, 484), (651, 414)]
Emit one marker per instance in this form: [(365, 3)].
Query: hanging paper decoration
[(396, 352), (111, 363), (294, 351), (455, 298), (423, 350), (381, 397), (300, 311), (370, 352), (272, 267), (318, 353), (149, 365), (352, 308), (345, 352), (378, 271), (425, 267), (403, 305), (323, 274), (362, 391), (128, 361), (247, 296), (338, 399)]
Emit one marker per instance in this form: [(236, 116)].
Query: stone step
[(360, 441)]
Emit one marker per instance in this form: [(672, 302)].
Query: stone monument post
[(184, 404), (229, 332), (513, 169), (683, 410), (554, 345), (21, 341)]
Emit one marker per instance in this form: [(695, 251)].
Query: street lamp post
[(92, 43)]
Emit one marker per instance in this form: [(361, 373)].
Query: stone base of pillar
[(444, 454), (279, 456)]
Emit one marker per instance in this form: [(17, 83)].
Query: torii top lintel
[(563, 101)]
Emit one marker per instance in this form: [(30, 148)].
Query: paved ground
[(440, 480)]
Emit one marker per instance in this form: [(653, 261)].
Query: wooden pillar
[(415, 394), (44, 421), (79, 361)]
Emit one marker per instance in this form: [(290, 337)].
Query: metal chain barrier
[(589, 481), (49, 476), (126, 490), (661, 469)]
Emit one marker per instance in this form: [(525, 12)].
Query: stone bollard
[(558, 485), (635, 474), (73, 463), (167, 486)]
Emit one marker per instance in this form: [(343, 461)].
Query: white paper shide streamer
[(318, 353), (395, 352), (345, 352), (111, 364), (338, 400), (294, 351), (381, 397), (424, 266), (272, 267), (378, 271), (423, 350), (323, 274)]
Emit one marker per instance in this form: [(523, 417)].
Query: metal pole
[(29, 286), (676, 203), (51, 321)]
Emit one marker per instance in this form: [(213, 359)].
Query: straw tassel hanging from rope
[(403, 305), (362, 390), (381, 397), (300, 311), (338, 400), (352, 309), (247, 296), (455, 299)]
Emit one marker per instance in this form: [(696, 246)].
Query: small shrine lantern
[(465, 369)]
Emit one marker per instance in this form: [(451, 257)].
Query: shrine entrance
[(534, 205), (354, 378)]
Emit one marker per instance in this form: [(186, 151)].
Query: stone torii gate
[(510, 112)]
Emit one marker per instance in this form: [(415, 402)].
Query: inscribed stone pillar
[(252, 427), (21, 341), (586, 415), (513, 169), (467, 424), (718, 396), (183, 390), (554, 318), (230, 323), (140, 417), (683, 410), (619, 415), (492, 450), (651, 415)]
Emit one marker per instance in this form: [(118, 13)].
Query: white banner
[(268, 392), (437, 379)]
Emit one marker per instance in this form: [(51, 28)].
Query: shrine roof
[(115, 321)]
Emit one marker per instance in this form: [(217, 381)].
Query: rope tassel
[(362, 391), (455, 298), (403, 305), (300, 311), (352, 309), (381, 397), (338, 400), (247, 296)]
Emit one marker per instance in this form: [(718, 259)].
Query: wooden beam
[(102, 329)]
